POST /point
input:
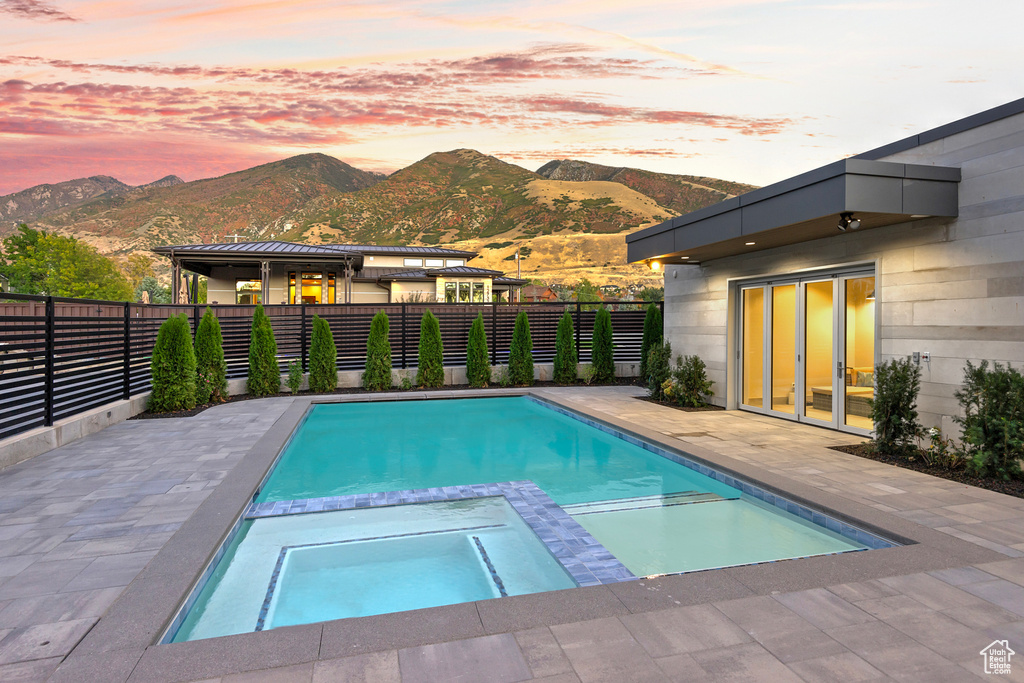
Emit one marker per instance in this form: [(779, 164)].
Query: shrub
[(566, 360), (604, 362), (378, 354), (894, 407), (431, 352), (478, 363), (993, 421), (173, 367), (653, 333), (689, 383), (659, 369), (211, 369), (323, 358), (520, 355), (295, 376), (264, 374)]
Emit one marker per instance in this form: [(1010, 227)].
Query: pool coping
[(121, 645)]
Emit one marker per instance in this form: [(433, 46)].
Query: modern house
[(277, 272), (794, 292)]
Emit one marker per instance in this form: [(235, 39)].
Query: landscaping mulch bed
[(685, 409), (864, 450), (621, 381)]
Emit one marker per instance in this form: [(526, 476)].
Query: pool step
[(641, 502)]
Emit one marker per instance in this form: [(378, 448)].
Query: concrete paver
[(77, 524)]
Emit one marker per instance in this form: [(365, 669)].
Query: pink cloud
[(34, 9)]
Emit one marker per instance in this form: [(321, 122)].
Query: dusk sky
[(746, 90)]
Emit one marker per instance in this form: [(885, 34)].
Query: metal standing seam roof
[(430, 273), (395, 250), (297, 249)]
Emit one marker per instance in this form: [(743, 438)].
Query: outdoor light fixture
[(655, 266), (846, 220), (870, 296), (750, 244)]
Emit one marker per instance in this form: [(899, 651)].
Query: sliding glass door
[(807, 348)]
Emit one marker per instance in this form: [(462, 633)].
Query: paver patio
[(79, 523)]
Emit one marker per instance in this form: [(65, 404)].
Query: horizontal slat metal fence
[(60, 357)]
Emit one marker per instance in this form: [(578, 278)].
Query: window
[(478, 292), (291, 287), (414, 262), (463, 292), (451, 292), (330, 289), (312, 288), (456, 262), (248, 292), (435, 263)]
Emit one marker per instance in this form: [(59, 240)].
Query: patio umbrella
[(145, 296), (183, 290)]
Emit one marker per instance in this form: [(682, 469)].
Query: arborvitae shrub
[(430, 372), (173, 367), (894, 407), (478, 363), (378, 354), (323, 358), (520, 354), (604, 362), (264, 374), (566, 360), (993, 421), (659, 369), (211, 369), (653, 333)]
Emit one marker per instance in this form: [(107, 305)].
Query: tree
[(211, 369), (585, 290), (323, 358), (652, 294), (566, 359), (173, 367), (653, 333), (38, 263), (157, 293), (478, 364), (378, 354), (135, 269), (431, 352), (603, 358), (659, 368), (264, 375), (520, 355)]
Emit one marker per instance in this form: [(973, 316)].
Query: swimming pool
[(536, 499)]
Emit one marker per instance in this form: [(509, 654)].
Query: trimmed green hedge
[(604, 362), (520, 356), (264, 374), (653, 333), (173, 367), (566, 360), (323, 358), (430, 372), (478, 362), (378, 354), (211, 368)]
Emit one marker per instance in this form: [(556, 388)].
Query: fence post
[(577, 321), (494, 334), (127, 351), (302, 335), (404, 315), (195, 321), (48, 407)]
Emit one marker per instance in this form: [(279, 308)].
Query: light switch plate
[(916, 357)]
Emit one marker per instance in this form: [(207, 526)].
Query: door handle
[(839, 369)]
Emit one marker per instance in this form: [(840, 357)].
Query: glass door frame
[(838, 276)]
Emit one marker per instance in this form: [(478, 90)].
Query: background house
[(285, 272), (792, 293)]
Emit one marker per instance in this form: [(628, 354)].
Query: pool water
[(656, 516), (300, 569)]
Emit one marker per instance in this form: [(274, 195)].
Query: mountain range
[(572, 214)]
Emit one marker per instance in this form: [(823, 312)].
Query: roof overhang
[(800, 209), (202, 260)]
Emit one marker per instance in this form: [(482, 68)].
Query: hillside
[(250, 202), (572, 214), (679, 193), (36, 202), (464, 194)]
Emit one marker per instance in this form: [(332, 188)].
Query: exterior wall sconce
[(846, 220), (655, 266)]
